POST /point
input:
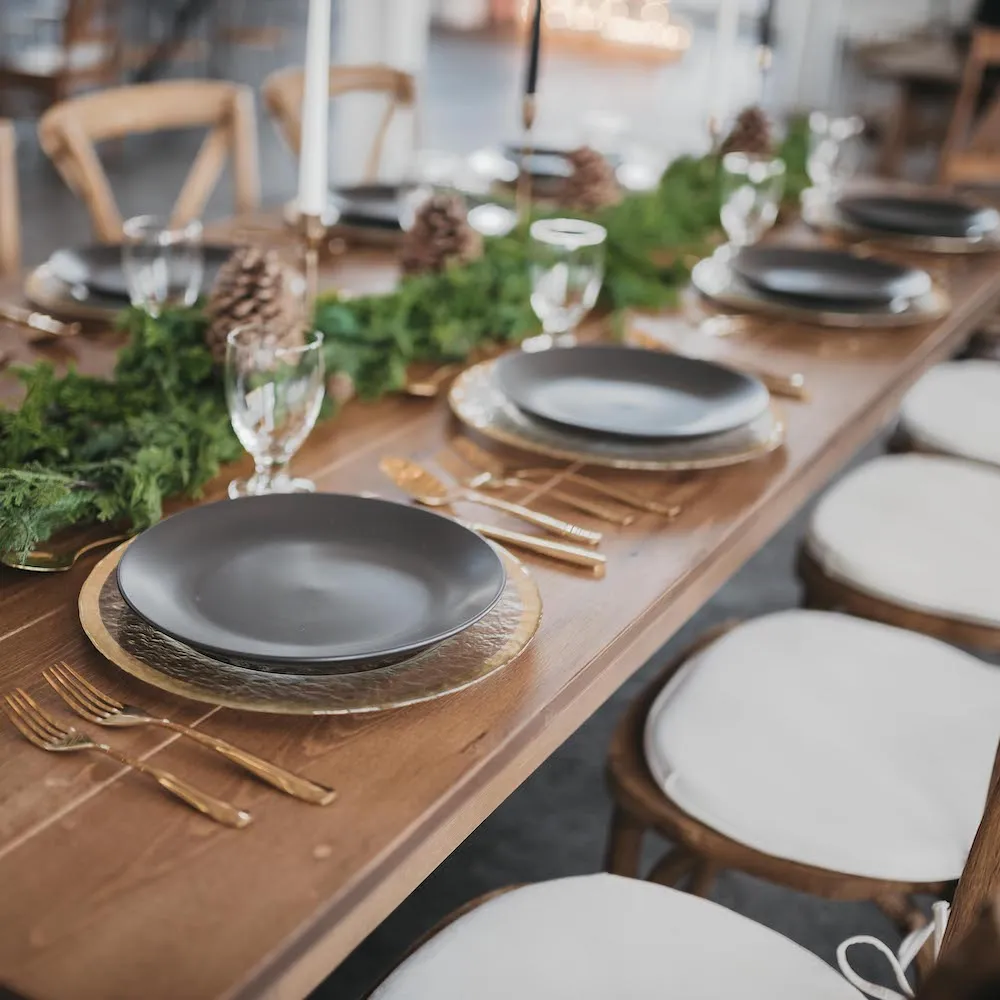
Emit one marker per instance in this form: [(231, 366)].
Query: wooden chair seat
[(594, 937), (69, 131), (955, 410), (911, 540)]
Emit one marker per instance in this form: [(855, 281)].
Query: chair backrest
[(283, 91), (971, 153), (10, 227), (69, 130)]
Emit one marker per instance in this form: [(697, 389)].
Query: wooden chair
[(84, 50), (909, 540), (283, 90), (69, 131), (601, 936), (10, 227), (740, 691), (971, 153)]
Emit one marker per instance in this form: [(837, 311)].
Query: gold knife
[(563, 551), (427, 489), (39, 322)]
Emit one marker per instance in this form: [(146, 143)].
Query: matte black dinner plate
[(629, 392), (98, 268), (919, 215), (377, 206), (829, 275), (310, 578)]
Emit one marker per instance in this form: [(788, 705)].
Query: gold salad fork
[(95, 706), (39, 728)]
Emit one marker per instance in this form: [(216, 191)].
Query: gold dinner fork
[(95, 706), (39, 728)]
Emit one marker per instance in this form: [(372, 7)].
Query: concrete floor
[(555, 824)]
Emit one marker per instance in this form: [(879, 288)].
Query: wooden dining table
[(110, 889)]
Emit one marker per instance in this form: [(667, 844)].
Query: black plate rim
[(221, 250), (906, 273), (661, 357), (845, 203), (358, 658)]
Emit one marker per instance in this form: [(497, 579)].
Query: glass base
[(256, 487), (546, 341)]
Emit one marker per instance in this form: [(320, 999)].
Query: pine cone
[(440, 233), (751, 133), (592, 184), (253, 286)]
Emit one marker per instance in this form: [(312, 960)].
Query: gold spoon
[(43, 561)]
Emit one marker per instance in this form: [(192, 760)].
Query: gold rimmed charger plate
[(715, 279), (136, 647), (820, 213), (52, 295), (478, 402)]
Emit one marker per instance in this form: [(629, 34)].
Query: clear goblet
[(162, 265), (274, 392), (752, 187), (834, 151), (567, 269)]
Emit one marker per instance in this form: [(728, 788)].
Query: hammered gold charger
[(140, 650), (478, 402)]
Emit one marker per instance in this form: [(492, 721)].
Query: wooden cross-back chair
[(68, 133), (84, 49), (10, 228), (283, 90), (971, 153)]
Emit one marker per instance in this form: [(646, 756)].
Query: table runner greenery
[(83, 449)]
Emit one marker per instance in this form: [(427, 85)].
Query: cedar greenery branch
[(83, 449)]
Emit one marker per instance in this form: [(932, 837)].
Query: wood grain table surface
[(111, 889)]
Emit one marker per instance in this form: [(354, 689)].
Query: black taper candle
[(531, 79)]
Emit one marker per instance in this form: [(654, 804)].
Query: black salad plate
[(98, 268), (828, 275), (310, 578), (376, 206), (920, 216), (630, 392)]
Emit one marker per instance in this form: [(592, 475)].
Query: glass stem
[(266, 471)]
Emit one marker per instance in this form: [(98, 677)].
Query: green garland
[(83, 449)]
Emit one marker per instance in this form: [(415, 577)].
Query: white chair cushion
[(602, 937), (832, 741), (920, 531), (955, 409)]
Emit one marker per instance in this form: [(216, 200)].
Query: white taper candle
[(315, 111)]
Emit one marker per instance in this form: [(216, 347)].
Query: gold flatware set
[(38, 322), (46, 561), (44, 731)]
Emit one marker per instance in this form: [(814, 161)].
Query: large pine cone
[(751, 133), (440, 233), (592, 183), (253, 286)]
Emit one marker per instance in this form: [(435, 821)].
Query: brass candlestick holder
[(313, 234), (527, 148)]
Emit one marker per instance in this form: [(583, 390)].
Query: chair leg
[(624, 844), (672, 867), (705, 873)]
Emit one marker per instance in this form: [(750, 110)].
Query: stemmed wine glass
[(274, 392), (834, 151), (752, 187), (163, 264), (567, 269)]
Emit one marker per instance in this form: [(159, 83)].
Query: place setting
[(815, 285)]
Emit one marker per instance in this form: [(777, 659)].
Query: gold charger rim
[(455, 401), (939, 304), (517, 640), (38, 293)]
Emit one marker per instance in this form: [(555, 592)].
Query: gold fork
[(95, 706), (39, 728)]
